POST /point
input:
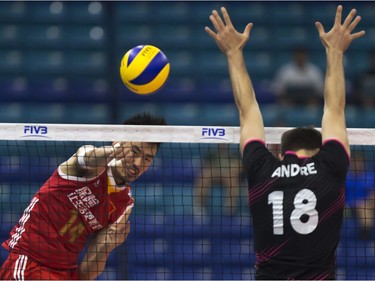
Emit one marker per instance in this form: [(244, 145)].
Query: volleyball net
[(190, 220)]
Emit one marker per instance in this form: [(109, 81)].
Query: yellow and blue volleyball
[(144, 69)]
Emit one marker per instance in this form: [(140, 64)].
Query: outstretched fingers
[(351, 23), (358, 34), (210, 32), (226, 16), (319, 27), (247, 30), (354, 23), (338, 15), (217, 21), (349, 18)]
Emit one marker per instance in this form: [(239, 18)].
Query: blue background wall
[(59, 61)]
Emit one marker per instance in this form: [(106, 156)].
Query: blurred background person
[(221, 167), (364, 85), (298, 82), (360, 193)]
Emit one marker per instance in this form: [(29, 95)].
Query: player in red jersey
[(296, 201), (88, 196)]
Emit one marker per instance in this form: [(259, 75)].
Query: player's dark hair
[(301, 138), (146, 119)]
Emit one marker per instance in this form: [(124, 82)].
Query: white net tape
[(172, 134)]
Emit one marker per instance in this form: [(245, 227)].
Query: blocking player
[(88, 196), (296, 202)]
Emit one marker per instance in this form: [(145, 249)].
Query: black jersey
[(297, 209)]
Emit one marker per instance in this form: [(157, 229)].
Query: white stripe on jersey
[(19, 269), (21, 229)]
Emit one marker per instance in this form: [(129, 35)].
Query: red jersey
[(63, 213)]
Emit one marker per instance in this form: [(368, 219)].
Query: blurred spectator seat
[(85, 36), (86, 12), (352, 115), (56, 11), (260, 38), (181, 113), (257, 12), (261, 64), (14, 88), (13, 11), (271, 115), (202, 11), (319, 11), (46, 112), (87, 62), (218, 114), (148, 272), (77, 36), (300, 94), (85, 113), (48, 89), (12, 61), (181, 61), (56, 62), (210, 63), (369, 117), (174, 36), (287, 12), (88, 89), (366, 10), (172, 12), (214, 89), (43, 35), (10, 35), (289, 36), (46, 62), (128, 12), (193, 272), (13, 112), (368, 86), (301, 116), (130, 35)]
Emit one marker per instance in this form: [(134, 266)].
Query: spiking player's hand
[(341, 35), (115, 234)]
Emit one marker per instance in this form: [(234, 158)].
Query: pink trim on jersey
[(252, 140), (340, 142), (294, 153)]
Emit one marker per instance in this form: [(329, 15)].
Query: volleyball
[(144, 69)]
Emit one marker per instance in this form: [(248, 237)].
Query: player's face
[(138, 157)]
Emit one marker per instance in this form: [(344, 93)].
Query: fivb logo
[(213, 133), (35, 130)]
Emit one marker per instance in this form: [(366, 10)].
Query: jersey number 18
[(304, 218)]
